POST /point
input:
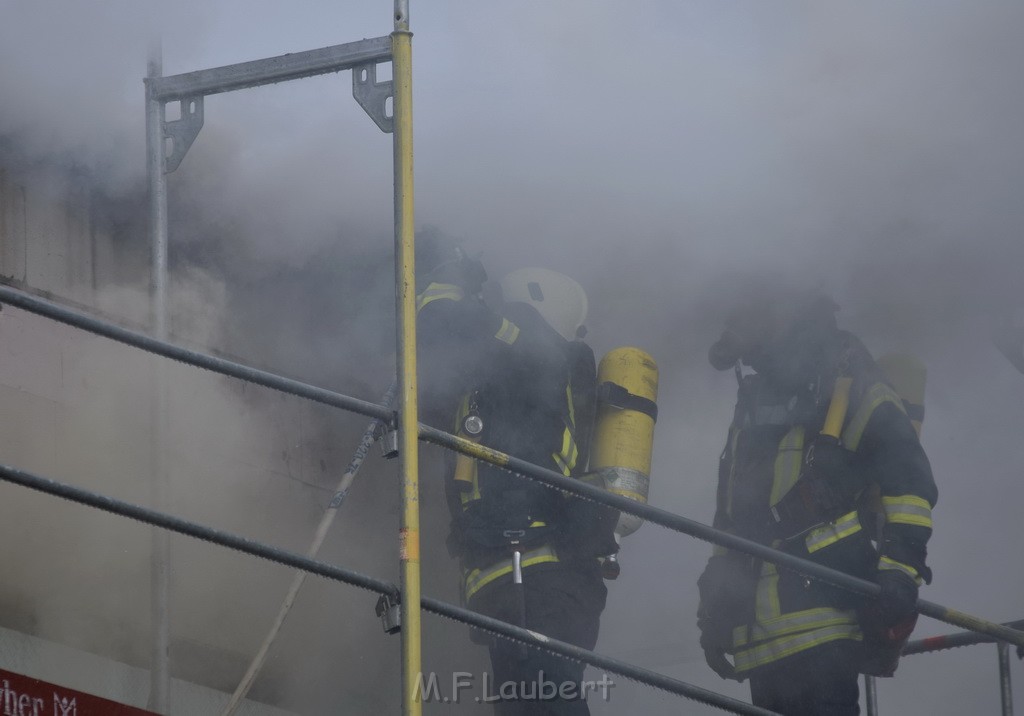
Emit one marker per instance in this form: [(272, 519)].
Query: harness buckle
[(514, 536)]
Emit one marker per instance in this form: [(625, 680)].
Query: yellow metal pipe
[(408, 428)]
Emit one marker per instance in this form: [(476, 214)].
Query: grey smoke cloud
[(655, 151)]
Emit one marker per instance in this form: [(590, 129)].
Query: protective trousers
[(563, 601), (819, 681)]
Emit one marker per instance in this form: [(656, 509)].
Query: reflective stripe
[(478, 578), (508, 333), (907, 510), (802, 621), (822, 537), (788, 462), (787, 646), (567, 456), (436, 291), (890, 563), (767, 600), (876, 395)]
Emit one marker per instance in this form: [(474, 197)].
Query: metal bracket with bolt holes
[(372, 95), (183, 131)]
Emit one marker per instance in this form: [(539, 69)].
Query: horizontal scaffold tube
[(42, 307), (952, 641), (347, 576), (553, 479)]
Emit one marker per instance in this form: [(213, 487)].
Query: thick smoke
[(659, 153)]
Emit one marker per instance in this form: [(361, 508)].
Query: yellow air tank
[(627, 409)]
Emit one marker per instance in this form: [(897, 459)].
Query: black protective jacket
[(534, 392), (883, 520)]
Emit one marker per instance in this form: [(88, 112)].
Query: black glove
[(715, 640), (726, 586), (898, 599), (720, 664)]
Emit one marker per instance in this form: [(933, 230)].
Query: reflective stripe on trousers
[(781, 647), (477, 579), (774, 635)]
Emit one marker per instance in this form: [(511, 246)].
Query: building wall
[(82, 671), (79, 408)]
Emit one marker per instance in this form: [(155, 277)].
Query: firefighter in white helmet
[(530, 554)]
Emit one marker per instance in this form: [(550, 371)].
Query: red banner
[(25, 696)]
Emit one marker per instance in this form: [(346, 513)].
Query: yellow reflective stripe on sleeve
[(508, 333), (477, 579), (874, 396), (889, 563), (907, 510), (788, 462), (436, 291), (771, 651), (822, 537)]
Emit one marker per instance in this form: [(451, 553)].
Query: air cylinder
[(627, 409)]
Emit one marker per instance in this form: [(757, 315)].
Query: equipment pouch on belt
[(826, 489)]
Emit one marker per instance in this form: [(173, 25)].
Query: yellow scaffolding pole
[(408, 428)]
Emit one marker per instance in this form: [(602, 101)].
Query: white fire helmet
[(559, 300)]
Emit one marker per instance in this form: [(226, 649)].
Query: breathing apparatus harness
[(827, 486)]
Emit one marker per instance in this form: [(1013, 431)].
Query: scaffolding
[(168, 142), (952, 641), (980, 629)]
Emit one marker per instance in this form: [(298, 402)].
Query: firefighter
[(521, 381), (816, 432)]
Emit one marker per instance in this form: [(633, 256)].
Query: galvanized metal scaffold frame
[(953, 641), (981, 629), (167, 143)]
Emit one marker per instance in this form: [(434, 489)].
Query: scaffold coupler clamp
[(389, 611), (388, 437)]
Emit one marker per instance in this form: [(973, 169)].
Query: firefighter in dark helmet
[(522, 381), (821, 462)]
